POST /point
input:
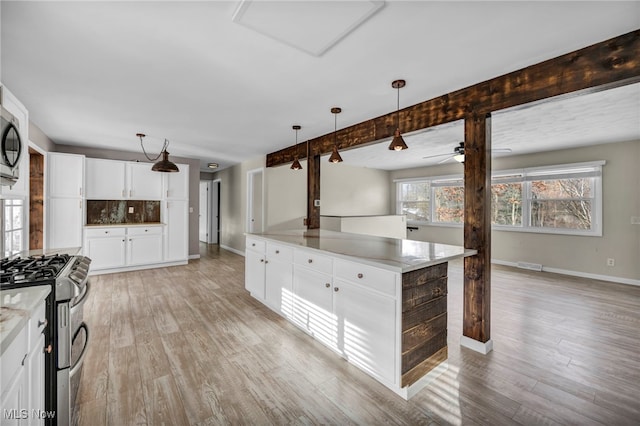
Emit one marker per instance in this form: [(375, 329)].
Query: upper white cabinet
[(105, 179), (119, 180), (65, 209), (176, 185), (66, 175), (143, 183)]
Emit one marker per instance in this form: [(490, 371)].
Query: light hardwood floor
[(188, 345)]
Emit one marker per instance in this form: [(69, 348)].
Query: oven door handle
[(82, 299), (78, 363)]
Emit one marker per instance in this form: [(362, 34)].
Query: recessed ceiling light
[(212, 165)]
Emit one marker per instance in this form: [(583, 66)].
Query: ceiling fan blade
[(433, 156), (445, 160)]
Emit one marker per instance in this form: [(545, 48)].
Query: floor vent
[(530, 266)]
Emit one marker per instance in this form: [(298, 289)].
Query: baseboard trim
[(194, 256), (610, 278), (231, 249), (138, 267), (474, 345)]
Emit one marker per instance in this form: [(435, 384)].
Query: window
[(413, 200), (12, 226), (563, 199)]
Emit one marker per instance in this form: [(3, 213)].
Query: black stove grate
[(31, 269)]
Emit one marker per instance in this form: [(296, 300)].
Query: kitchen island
[(381, 303)]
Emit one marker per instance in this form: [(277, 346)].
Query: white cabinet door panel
[(144, 184), (65, 173), (313, 305), (177, 184), (65, 222), (177, 231), (105, 179), (279, 286), (145, 249), (106, 252), (254, 271)]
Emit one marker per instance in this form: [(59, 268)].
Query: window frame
[(525, 176)]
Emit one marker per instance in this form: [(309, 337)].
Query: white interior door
[(214, 213), (204, 212)]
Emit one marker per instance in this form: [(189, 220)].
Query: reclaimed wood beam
[(603, 65), (476, 321), (313, 192)]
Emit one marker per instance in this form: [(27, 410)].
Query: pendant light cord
[(335, 129), (398, 110), (164, 148)]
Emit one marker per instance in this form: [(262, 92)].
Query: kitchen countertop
[(397, 255), (16, 306), (123, 225)]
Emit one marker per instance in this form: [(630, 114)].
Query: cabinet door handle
[(253, 244), (146, 230), (123, 241), (167, 193), (336, 289), (310, 260), (266, 261), (41, 323), (327, 285), (81, 191), (360, 275), (130, 193), (277, 251), (106, 232), (129, 239), (48, 349)]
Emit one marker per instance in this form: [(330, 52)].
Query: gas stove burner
[(32, 268)]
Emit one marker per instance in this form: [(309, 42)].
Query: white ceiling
[(96, 73)]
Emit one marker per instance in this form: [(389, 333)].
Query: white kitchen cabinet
[(65, 219), (144, 245), (14, 399), (176, 185), (116, 247), (367, 321), (35, 379), (279, 279), (313, 305), (106, 252), (143, 183), (254, 273), (66, 175), (121, 180), (177, 230), (105, 179)]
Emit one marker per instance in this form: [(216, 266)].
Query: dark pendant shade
[(165, 165), (335, 156), (296, 165), (397, 144)]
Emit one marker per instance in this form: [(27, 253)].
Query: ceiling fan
[(458, 153)]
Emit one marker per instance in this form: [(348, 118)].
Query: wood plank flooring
[(187, 345)]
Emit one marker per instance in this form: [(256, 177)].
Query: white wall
[(353, 191), (582, 254)]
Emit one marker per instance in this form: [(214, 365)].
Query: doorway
[(255, 199), (209, 219)]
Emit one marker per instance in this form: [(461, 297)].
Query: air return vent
[(530, 266)]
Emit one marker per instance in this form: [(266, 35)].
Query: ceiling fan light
[(165, 165), (459, 158), (398, 144)]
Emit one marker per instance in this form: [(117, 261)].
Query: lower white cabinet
[(177, 230), (65, 222), (350, 307), (119, 247), (22, 373)]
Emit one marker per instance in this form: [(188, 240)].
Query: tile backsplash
[(109, 212)]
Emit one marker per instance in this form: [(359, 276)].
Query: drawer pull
[(277, 251), (327, 285), (41, 323), (336, 289), (360, 275), (310, 261), (146, 230), (253, 244), (48, 349), (266, 261), (106, 232)]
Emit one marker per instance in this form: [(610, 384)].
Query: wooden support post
[(476, 323), (313, 191)]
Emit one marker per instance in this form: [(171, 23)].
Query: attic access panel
[(311, 26)]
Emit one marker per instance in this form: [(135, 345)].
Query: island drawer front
[(313, 260), (279, 252), (369, 276), (105, 232), (144, 230), (255, 244)]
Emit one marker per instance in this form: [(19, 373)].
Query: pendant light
[(397, 144), (296, 164), (335, 155), (163, 165)]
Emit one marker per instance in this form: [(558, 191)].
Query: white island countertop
[(397, 255), (16, 306)]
